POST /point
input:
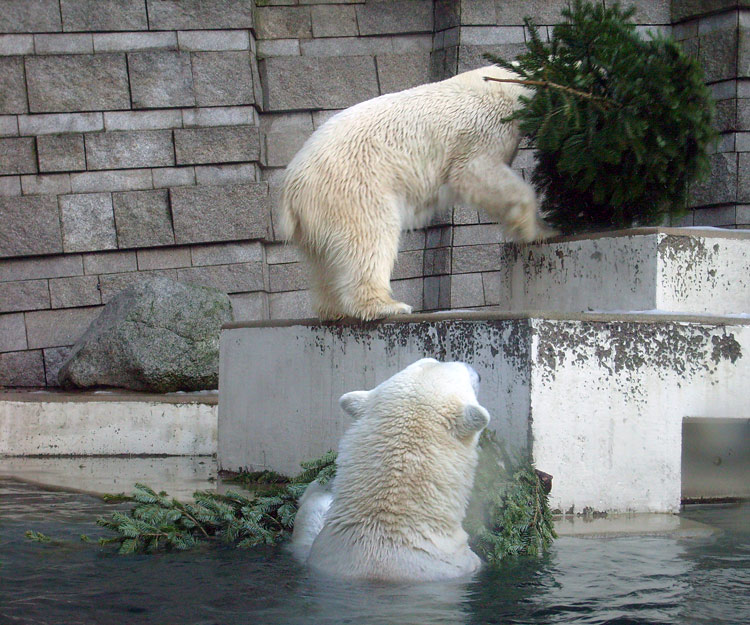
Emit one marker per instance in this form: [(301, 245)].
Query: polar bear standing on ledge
[(404, 475), (388, 164)]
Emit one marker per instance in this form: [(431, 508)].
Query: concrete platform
[(599, 399), (685, 270), (46, 423)]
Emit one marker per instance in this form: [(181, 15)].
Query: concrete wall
[(149, 137), (599, 400)]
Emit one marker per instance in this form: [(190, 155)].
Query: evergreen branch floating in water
[(508, 514)]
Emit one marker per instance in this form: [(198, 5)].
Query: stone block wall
[(718, 33), (149, 137)]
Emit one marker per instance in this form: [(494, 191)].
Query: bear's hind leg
[(361, 277)]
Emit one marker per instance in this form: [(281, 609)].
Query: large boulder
[(159, 336)]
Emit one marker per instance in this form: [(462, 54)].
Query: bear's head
[(425, 396)]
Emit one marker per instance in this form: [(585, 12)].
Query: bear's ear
[(475, 419), (353, 403)]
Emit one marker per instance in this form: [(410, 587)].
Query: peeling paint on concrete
[(599, 399), (663, 347)]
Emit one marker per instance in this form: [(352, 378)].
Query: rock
[(159, 336)]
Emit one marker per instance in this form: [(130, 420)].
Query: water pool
[(619, 580)]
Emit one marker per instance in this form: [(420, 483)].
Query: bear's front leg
[(489, 184)]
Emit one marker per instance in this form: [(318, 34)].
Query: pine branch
[(552, 85)]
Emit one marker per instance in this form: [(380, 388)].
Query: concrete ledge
[(86, 424), (599, 399)]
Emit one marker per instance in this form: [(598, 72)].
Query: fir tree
[(621, 125)]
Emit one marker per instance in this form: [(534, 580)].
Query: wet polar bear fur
[(404, 475), (388, 164)]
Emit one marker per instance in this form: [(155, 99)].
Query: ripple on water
[(625, 580)]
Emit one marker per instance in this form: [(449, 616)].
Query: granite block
[(8, 126), (395, 16), (290, 305), (284, 136), (220, 116), (226, 174), (61, 152), (22, 369), (143, 218), (542, 11), (160, 79), (410, 291), (118, 180), (721, 185), (113, 283), (87, 222), (64, 44), (41, 267), (447, 14), (10, 186), (29, 225), (109, 262), (222, 78), (143, 120), (53, 184), (129, 149), (57, 123), (467, 290), (288, 277), (173, 176), (237, 278), (30, 16), (56, 328), (223, 213), (17, 156), (16, 44), (217, 145), (82, 82), (472, 57), (249, 306), (12, 332), (408, 265), (397, 72), (200, 14), (12, 85), (291, 22), (167, 258), (226, 253), (334, 21), (76, 291), (293, 83), (473, 258), (88, 15), (479, 12), (131, 42), (211, 40), (718, 54), (24, 295)]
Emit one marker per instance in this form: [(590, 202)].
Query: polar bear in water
[(404, 474)]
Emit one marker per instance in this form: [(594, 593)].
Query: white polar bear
[(388, 164), (404, 475)]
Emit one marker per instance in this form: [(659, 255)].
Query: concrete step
[(692, 270), (48, 423), (600, 399)]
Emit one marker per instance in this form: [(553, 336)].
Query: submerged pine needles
[(508, 514)]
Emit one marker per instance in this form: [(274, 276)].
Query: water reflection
[(623, 580)]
